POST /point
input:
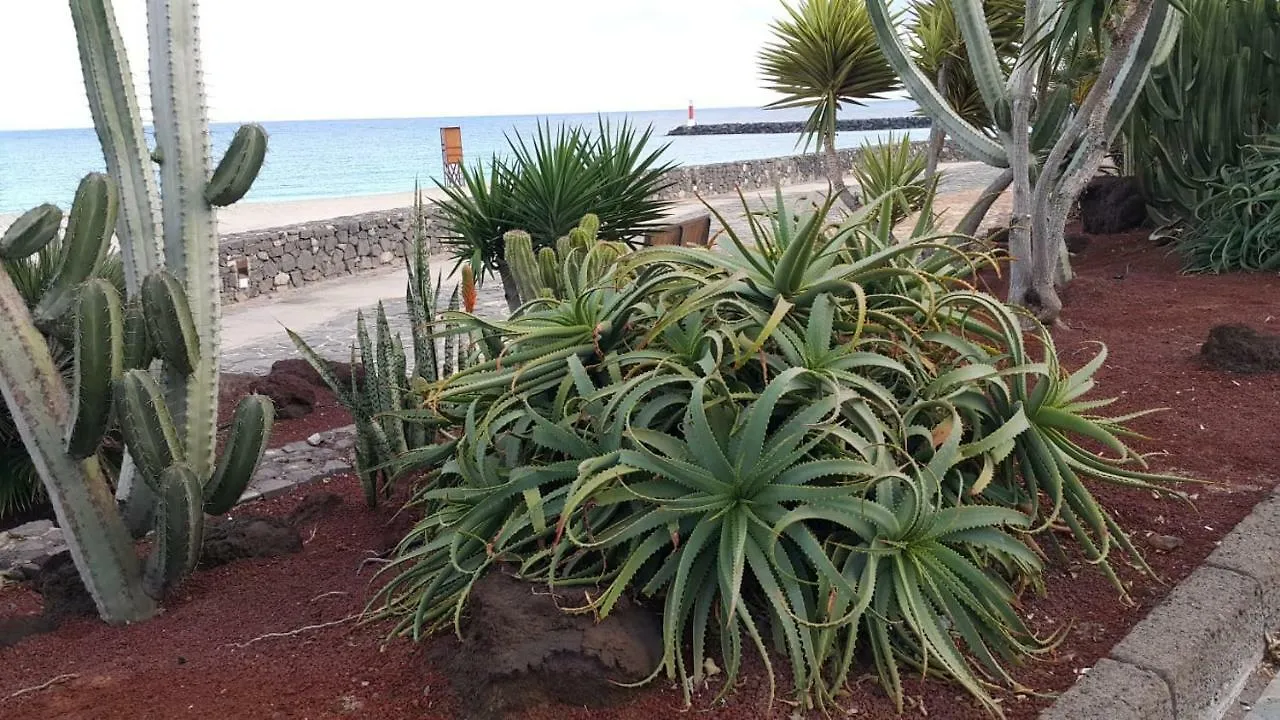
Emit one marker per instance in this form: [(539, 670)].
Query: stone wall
[(262, 262), (751, 175)]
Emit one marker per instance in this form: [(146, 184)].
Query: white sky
[(313, 59)]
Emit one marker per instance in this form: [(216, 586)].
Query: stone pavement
[(253, 332)]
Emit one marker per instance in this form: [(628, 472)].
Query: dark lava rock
[(341, 371), (247, 537), (293, 397), (1112, 204), (1241, 349), (64, 595), (766, 128), (520, 651)]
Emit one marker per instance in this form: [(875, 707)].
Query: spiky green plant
[(1237, 225), (169, 247), (892, 166), (392, 425), (822, 55), (550, 181), (818, 440), (1217, 92)]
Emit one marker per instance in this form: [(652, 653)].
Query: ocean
[(345, 158)]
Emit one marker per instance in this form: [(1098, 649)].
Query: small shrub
[(881, 169), (1237, 226)]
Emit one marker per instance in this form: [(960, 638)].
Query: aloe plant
[(818, 443), (169, 245), (1073, 143)]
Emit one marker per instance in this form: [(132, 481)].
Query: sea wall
[(776, 128), (264, 262)]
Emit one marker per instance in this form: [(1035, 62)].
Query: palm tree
[(824, 53)]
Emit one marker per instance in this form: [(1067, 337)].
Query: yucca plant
[(823, 54), (547, 184)]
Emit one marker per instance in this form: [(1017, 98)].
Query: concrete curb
[(1191, 656)]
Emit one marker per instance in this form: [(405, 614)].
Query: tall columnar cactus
[(169, 246), (63, 429), (1072, 140)]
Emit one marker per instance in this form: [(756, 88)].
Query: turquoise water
[(342, 158)]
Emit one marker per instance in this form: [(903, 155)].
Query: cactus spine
[(168, 244)]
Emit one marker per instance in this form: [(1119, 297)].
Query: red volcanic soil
[(212, 652)]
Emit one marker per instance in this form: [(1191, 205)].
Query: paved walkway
[(324, 314)]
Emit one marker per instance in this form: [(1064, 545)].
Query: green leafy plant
[(391, 425), (892, 166), (815, 440), (545, 187), (1237, 225), (822, 55)]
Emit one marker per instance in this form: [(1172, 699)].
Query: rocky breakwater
[(778, 128)]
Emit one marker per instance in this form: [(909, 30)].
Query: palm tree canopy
[(824, 53)]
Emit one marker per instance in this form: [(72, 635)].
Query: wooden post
[(451, 149)]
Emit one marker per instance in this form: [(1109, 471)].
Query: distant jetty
[(782, 128)]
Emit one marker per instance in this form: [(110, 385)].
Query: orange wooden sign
[(451, 144)]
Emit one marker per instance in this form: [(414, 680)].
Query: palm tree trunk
[(835, 172), (937, 135)]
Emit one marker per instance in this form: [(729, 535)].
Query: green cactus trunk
[(169, 247), (82, 501), (518, 250)]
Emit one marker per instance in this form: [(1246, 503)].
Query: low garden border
[(1190, 658)]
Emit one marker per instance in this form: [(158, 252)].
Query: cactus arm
[(246, 442), (98, 348), (190, 235), (116, 118), (923, 92), (1158, 37), (518, 251), (179, 530), (82, 501), (981, 51)]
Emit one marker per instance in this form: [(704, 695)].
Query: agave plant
[(817, 442)]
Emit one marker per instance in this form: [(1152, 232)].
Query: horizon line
[(428, 117)]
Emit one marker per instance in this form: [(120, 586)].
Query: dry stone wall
[(263, 262)]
